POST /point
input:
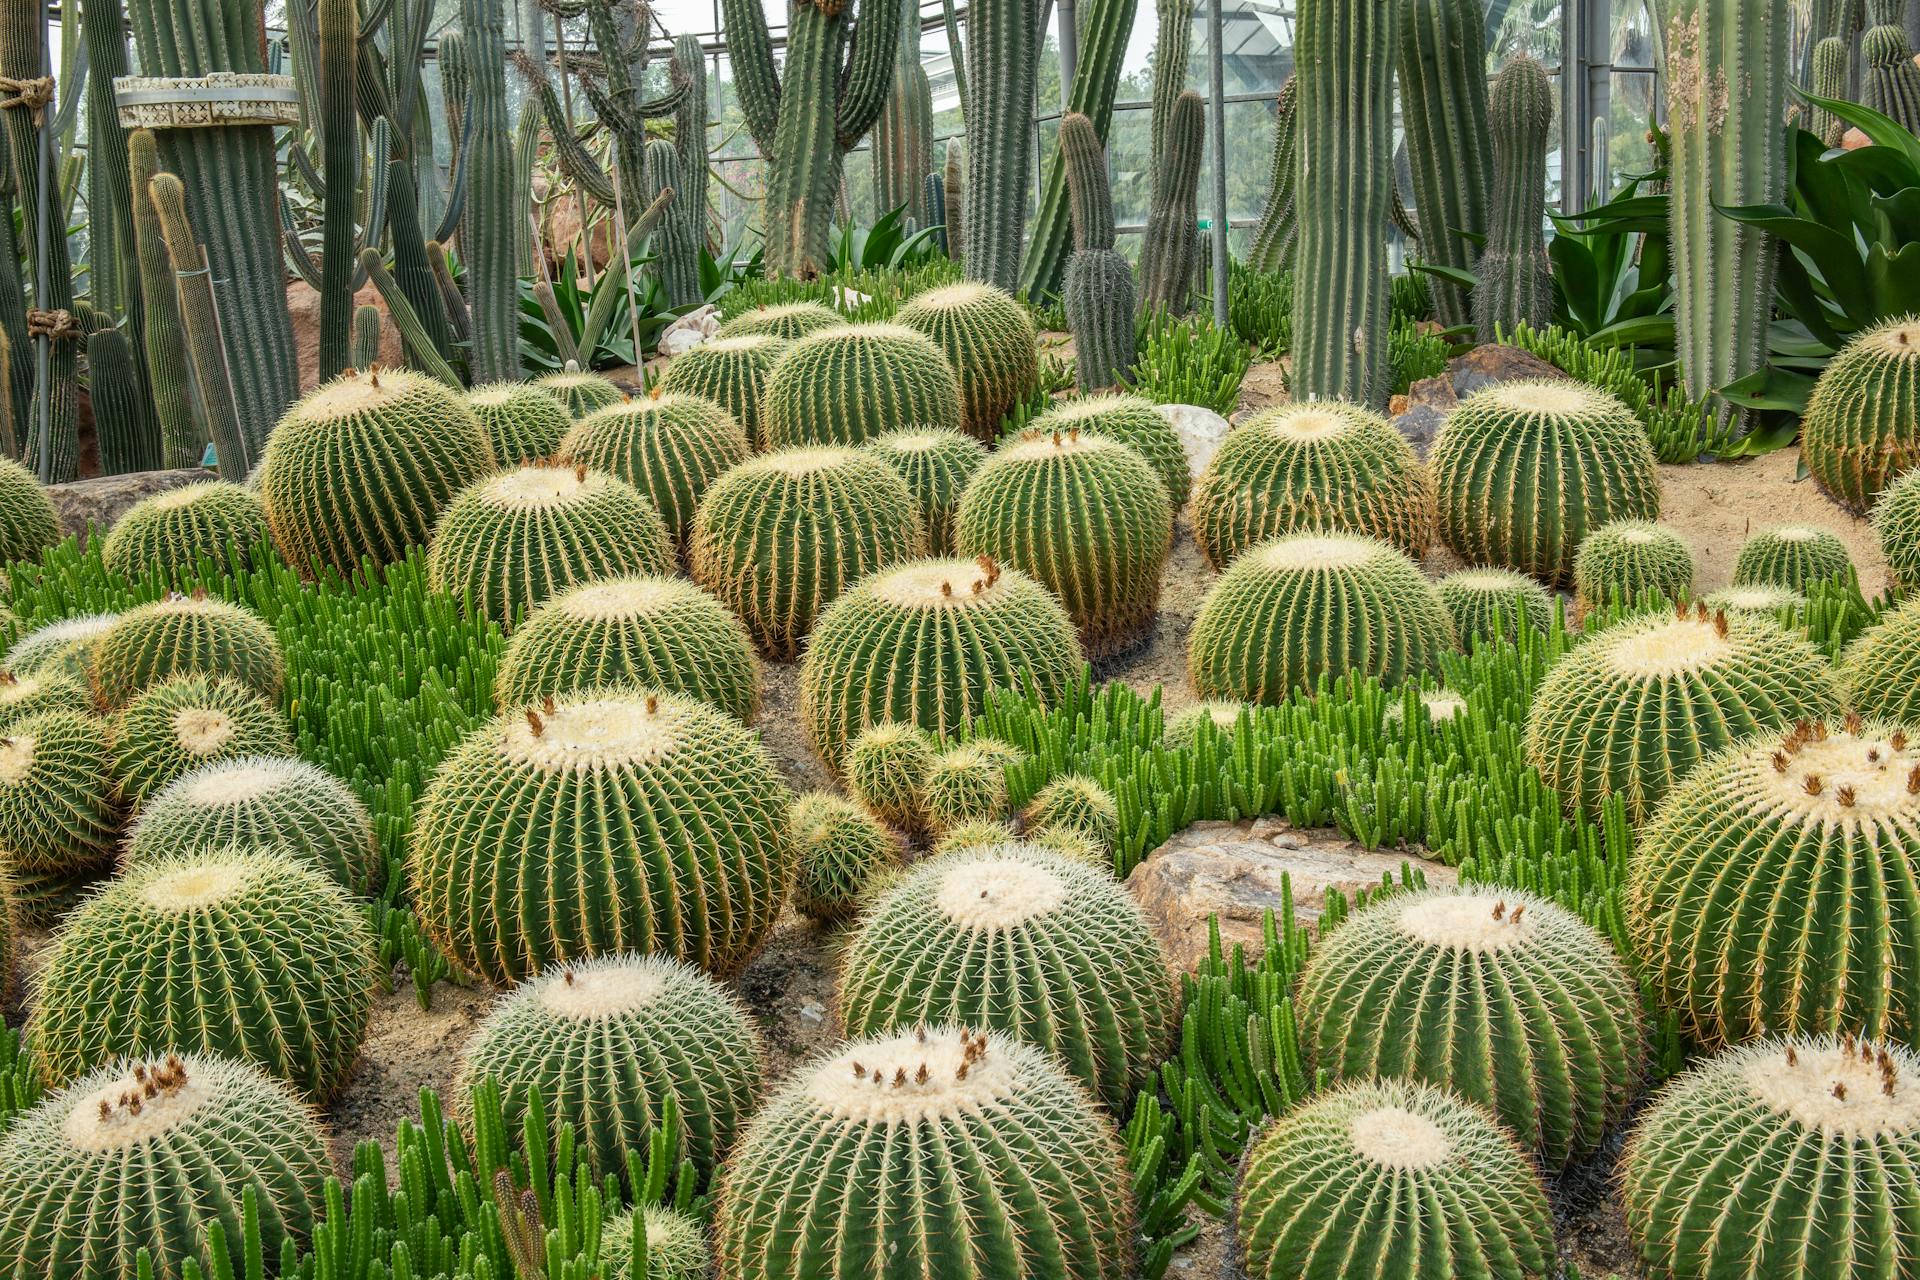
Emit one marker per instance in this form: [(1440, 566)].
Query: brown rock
[(1236, 869), (101, 501), (303, 304), (1492, 363)]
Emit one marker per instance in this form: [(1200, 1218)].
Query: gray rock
[(1420, 424), (1200, 430), (104, 499)]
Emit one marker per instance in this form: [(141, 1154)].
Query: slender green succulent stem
[(120, 406), (1171, 250), (493, 290), (1274, 239), (690, 139), (903, 135), (413, 333), (235, 450), (340, 144), (167, 365)]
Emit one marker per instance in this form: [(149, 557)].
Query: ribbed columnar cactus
[(524, 422), (282, 961), (178, 725), (1881, 670), (839, 852), (780, 536), (609, 1043), (1013, 1169), (185, 635), (847, 385), (1889, 81), (1450, 150), (1830, 82), (731, 372), (988, 338), (65, 647), (28, 524), (886, 768), (1025, 942), (903, 135), (936, 464), (1002, 67), (516, 539), (1097, 289), (809, 111), (1632, 709), (925, 643), (1896, 524), (164, 340), (1485, 602), (1629, 561), (953, 187), (1794, 556), (1307, 605), (580, 391), (170, 532), (1274, 239), (1523, 471), (59, 810), (1862, 424), (787, 321), (23, 696), (1780, 1158), (1515, 286), (1345, 61), (1132, 420), (1726, 80), (295, 807), (142, 1157), (1084, 515), (1387, 1176), (664, 633), (644, 822), (670, 448), (1170, 250), (676, 1245), (362, 467), (1501, 997), (1328, 466)]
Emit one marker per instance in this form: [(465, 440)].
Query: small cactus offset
[(780, 536), (967, 785), (138, 1162), (1170, 250), (1754, 602), (283, 961), (1383, 1176), (185, 635), (1881, 670), (1450, 149), (839, 851), (523, 422), (1896, 524), (886, 769), (926, 643), (172, 532), (59, 809), (1016, 1171), (1829, 82), (174, 727), (23, 696), (1515, 286), (1075, 803), (936, 464), (581, 392), (1794, 556), (1631, 561), (1503, 998), (663, 633), (1325, 466), (28, 524), (850, 384), (520, 537), (784, 322), (731, 372), (1488, 602), (1632, 709), (1097, 290), (1307, 605), (1834, 1125), (670, 448), (608, 1044), (1862, 423), (1184, 729), (1132, 420), (988, 339)]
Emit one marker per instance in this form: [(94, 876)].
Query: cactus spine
[(1171, 251), (1002, 65), (1726, 83), (1098, 288), (1340, 314), (1443, 84), (1274, 239), (1515, 286)]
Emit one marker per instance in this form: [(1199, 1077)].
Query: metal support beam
[(1217, 100)]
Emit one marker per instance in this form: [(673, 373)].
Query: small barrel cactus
[(609, 1042), (1633, 708), (43, 898), (25, 696), (967, 784), (1881, 670), (676, 1245), (1323, 465), (936, 464), (988, 338), (787, 321), (972, 835), (1793, 556), (1025, 942), (1014, 1170), (1484, 603), (178, 725), (1131, 420), (170, 532), (581, 392), (1779, 1158), (361, 468), (60, 648), (603, 790), (523, 421), (664, 633), (1862, 423), (1724, 881), (1386, 1178), (1084, 515), (670, 449), (845, 386), (780, 536), (282, 960), (28, 522), (1754, 602), (59, 809), (520, 537), (185, 635), (1503, 998), (1074, 802), (1523, 471), (839, 849), (925, 643), (291, 805), (143, 1156), (1896, 524), (1631, 561), (731, 372), (886, 768), (1183, 729), (1308, 605)]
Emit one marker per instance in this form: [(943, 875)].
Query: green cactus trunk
[(1892, 81), (340, 152), (365, 350), (1516, 286), (183, 436), (119, 406), (1002, 65), (13, 300), (690, 141), (1443, 89), (493, 290), (1830, 82), (200, 320), (676, 251), (1274, 239), (953, 186), (903, 135), (1340, 312), (1726, 83), (1171, 250), (412, 265)]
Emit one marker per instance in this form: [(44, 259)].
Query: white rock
[(1200, 430), (847, 299), (690, 330)]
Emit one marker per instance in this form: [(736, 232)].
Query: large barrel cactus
[(849, 384), (25, 696), (1896, 524), (670, 448), (178, 725), (785, 321), (28, 523), (1794, 556), (185, 635), (171, 532), (582, 392), (59, 808), (839, 851), (524, 422), (731, 372), (936, 463), (1862, 424), (1131, 420), (1881, 670), (1630, 561), (1488, 602)]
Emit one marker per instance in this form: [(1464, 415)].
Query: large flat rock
[(100, 501), (1236, 870)]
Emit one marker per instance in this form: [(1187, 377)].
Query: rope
[(35, 92), (53, 324)]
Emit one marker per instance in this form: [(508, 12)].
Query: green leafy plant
[(1189, 362)]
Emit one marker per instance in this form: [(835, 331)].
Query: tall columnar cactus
[(690, 141), (676, 240), (237, 449), (1443, 89), (1013, 1169), (1277, 235), (1003, 62), (1830, 82), (806, 115), (1097, 291), (486, 243), (124, 428), (1515, 286), (1340, 314), (1891, 81), (1726, 83), (1170, 253), (903, 135), (953, 186)]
